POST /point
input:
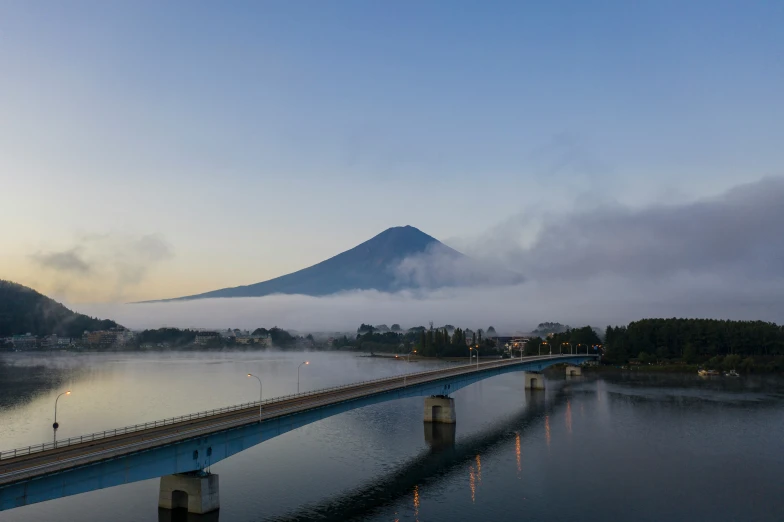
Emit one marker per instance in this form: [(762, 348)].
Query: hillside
[(396, 259), (24, 310)]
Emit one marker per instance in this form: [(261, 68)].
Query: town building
[(24, 342), (205, 338)]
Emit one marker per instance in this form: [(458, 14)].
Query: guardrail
[(38, 448)]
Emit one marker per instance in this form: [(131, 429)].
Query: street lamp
[(571, 348), (298, 367), (548, 345), (56, 425), (408, 356), (260, 390), (476, 349)]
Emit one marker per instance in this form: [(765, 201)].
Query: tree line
[(695, 341)]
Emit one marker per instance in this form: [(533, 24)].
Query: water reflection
[(472, 482), (22, 380), (568, 416), (518, 454), (547, 430), (416, 502), (182, 515), (429, 467)]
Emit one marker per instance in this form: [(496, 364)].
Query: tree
[(732, 361), (396, 328), (689, 353), (365, 328)]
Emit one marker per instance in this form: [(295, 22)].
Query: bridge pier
[(197, 491), (440, 436), (573, 371), (534, 381), (440, 408)]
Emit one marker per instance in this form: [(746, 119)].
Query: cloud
[(736, 235), (65, 261), (439, 266), (721, 257), (103, 264), (598, 301)]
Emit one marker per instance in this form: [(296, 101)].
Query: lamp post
[(408, 356), (260, 390), (56, 425), (476, 349), (298, 367), (548, 345), (571, 348)]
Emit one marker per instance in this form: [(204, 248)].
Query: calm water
[(621, 447)]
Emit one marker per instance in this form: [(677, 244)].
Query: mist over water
[(600, 301), (619, 447)]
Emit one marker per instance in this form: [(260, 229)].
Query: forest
[(715, 343)]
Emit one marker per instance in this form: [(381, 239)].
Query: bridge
[(179, 449)]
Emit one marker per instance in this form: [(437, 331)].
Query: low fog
[(718, 258)]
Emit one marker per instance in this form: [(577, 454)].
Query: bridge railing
[(37, 448)]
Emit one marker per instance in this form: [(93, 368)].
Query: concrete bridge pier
[(440, 409), (440, 436), (573, 371), (534, 381), (196, 491)]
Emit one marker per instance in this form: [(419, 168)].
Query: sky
[(157, 149)]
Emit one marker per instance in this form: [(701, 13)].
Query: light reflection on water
[(638, 439)]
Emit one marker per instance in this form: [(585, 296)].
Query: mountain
[(23, 310), (396, 259)]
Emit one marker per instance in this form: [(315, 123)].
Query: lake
[(600, 447)]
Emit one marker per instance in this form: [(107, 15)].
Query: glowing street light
[(298, 367), (548, 345), (571, 348), (260, 390), (476, 349), (56, 425)]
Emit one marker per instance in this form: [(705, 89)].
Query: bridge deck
[(74, 454)]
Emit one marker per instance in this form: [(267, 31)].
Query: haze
[(626, 159)]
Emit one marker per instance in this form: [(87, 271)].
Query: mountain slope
[(24, 310), (398, 258)]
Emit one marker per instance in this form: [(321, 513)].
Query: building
[(50, 342), (24, 342), (102, 339), (258, 340), (205, 338)]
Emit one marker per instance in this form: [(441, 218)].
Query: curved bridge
[(192, 443)]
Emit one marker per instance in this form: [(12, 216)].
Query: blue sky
[(252, 139)]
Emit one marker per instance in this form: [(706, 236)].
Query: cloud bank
[(103, 264), (721, 257)]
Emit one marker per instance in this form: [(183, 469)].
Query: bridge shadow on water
[(444, 457)]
